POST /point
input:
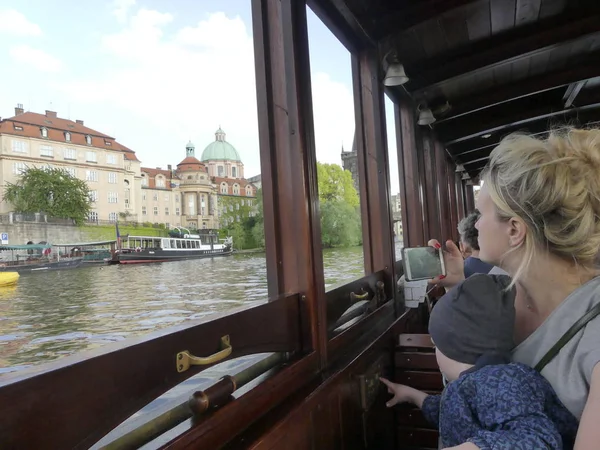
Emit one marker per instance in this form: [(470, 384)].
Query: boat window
[(165, 243), (173, 245), (178, 244)]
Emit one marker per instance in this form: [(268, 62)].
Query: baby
[(489, 402)]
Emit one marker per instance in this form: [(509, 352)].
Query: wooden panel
[(502, 15), (122, 378), (412, 211), (441, 166), (433, 219), (479, 21), (470, 199), (417, 438), (408, 416), (416, 360), (415, 340), (527, 11), (288, 162), (373, 166), (460, 197), (420, 379), (552, 8)]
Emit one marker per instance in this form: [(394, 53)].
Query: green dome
[(220, 149)]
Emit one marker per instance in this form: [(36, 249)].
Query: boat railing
[(100, 389)]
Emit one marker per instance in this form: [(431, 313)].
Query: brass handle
[(185, 359), (355, 297)]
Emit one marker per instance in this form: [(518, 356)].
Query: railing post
[(469, 198), (373, 166), (288, 162), (442, 168)]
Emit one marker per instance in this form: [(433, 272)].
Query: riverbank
[(250, 250)]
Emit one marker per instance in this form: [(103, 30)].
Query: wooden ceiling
[(502, 65)]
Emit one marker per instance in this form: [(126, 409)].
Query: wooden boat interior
[(485, 68)]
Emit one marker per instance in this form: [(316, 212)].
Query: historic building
[(111, 170), (191, 195), (350, 162)]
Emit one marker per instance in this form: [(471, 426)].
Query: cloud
[(122, 8), (36, 58), (15, 23), (183, 83)]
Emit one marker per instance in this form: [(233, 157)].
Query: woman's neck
[(475, 254), (549, 281)]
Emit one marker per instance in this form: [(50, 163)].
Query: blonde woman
[(540, 222)]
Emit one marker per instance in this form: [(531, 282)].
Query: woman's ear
[(517, 230)]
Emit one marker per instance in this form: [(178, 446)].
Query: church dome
[(220, 149)]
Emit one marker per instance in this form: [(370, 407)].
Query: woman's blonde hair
[(553, 185)]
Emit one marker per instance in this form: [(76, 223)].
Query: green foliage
[(107, 232), (340, 224), (51, 191), (335, 184)]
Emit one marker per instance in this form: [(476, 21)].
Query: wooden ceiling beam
[(502, 47), (408, 17), (578, 71)]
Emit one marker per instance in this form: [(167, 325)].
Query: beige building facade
[(120, 189)]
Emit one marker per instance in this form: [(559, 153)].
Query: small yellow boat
[(8, 278)]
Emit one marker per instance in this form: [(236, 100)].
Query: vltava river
[(53, 314)]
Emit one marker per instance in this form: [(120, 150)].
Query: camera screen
[(424, 262)]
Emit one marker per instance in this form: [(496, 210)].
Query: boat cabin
[(461, 74)]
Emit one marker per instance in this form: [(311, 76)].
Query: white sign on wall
[(4, 239)]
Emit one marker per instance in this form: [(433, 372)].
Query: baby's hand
[(402, 393)]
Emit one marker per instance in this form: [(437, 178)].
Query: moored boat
[(180, 245), (98, 252), (36, 257)]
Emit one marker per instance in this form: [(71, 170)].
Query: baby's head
[(472, 320)]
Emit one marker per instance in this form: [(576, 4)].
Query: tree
[(335, 184), (340, 224), (51, 191)]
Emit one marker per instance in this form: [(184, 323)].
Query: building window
[(144, 181), (176, 198), (44, 132), (18, 127), (233, 172), (47, 151), (70, 153), (93, 196), (19, 168), (113, 197), (220, 171), (160, 182), (155, 197), (144, 196), (248, 191), (19, 147), (176, 211), (237, 206), (93, 216), (112, 217), (111, 159), (223, 188), (107, 143), (91, 175), (166, 211), (143, 210), (67, 136), (112, 177), (166, 197), (91, 157), (71, 171), (156, 210), (88, 139), (236, 189)]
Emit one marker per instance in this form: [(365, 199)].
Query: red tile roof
[(191, 163), (32, 122), (230, 182), (151, 176)]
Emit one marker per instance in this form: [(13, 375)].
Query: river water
[(54, 314)]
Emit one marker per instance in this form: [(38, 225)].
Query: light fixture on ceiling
[(486, 136), (459, 168), (426, 117), (395, 74), (469, 183), (466, 176)]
